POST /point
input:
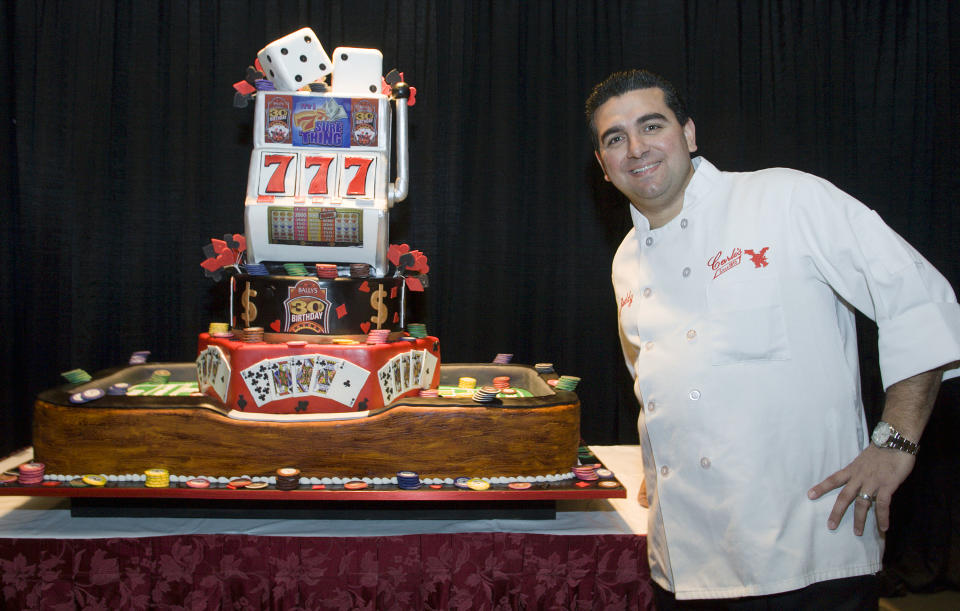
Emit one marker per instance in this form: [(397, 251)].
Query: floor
[(947, 600)]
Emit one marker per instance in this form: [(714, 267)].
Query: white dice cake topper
[(356, 71), (295, 61)]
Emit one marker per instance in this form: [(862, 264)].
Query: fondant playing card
[(257, 378), (348, 381), (416, 366), (326, 369), (429, 366), (213, 371), (385, 377)]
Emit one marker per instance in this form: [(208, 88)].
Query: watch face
[(881, 434)]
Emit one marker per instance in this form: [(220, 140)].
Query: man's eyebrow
[(652, 116)]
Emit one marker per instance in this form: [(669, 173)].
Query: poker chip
[(604, 473), (568, 382), (508, 392), (295, 269), (288, 478), (429, 393), (544, 367), (77, 483), (94, 480), (359, 270), (263, 84), (296, 343), (466, 382), (502, 359), (355, 484), (31, 473), (256, 269), (257, 485), (239, 482), (342, 341), (76, 376), (157, 478), (217, 328), (139, 357), (378, 336), (159, 376), (408, 480), (120, 388), (326, 270), (519, 485), (8, 478), (198, 482), (485, 394), (252, 335), (461, 482), (417, 329), (551, 382), (475, 483), (608, 483), (501, 382), (585, 472)]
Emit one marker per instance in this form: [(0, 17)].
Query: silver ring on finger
[(870, 498)]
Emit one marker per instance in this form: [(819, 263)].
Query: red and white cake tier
[(299, 380)]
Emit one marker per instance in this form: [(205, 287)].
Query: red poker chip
[(50, 483), (239, 482), (355, 485), (198, 483)]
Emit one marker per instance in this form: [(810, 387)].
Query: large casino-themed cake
[(324, 365)]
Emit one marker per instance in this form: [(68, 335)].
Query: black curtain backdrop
[(122, 156)]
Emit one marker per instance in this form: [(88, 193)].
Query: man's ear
[(690, 133), (600, 161)]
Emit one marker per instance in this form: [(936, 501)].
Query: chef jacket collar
[(703, 182)]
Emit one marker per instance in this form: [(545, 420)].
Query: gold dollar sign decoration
[(249, 308), (376, 301)]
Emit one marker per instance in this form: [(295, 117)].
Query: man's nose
[(637, 147)]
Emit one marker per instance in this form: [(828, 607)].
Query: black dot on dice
[(373, 88), (298, 78), (323, 66), (303, 58), (343, 56), (306, 39), (284, 51), (269, 59), (272, 74)]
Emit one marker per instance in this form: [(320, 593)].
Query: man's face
[(645, 152)]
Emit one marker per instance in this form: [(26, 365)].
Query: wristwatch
[(885, 436)]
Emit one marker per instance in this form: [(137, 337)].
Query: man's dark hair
[(626, 81)]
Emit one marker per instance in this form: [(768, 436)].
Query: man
[(735, 295)]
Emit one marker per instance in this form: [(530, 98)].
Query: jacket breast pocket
[(747, 322)]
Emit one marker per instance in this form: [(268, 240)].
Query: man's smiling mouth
[(645, 168)]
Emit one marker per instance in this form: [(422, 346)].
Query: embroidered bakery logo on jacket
[(720, 263), (625, 302)]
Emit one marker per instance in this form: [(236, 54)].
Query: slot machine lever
[(397, 190)]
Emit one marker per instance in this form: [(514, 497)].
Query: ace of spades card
[(429, 367), (257, 378), (348, 381)]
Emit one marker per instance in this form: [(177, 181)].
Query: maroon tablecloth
[(430, 571)]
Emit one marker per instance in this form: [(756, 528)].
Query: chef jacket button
[(647, 292), (686, 272), (648, 346), (649, 241), (683, 223), (664, 470), (694, 394), (705, 462), (651, 405), (691, 334)]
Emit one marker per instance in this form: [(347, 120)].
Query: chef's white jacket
[(736, 322)]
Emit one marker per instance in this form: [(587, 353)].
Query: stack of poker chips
[(502, 359), (91, 394), (326, 270), (159, 376), (157, 478), (501, 382), (139, 357), (220, 329), (295, 269), (378, 336), (430, 393), (263, 84), (485, 394), (408, 480), (359, 270), (120, 388), (252, 335), (76, 376), (417, 329), (288, 478), (544, 367), (568, 382), (587, 473), (31, 473), (256, 269), (466, 382)]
